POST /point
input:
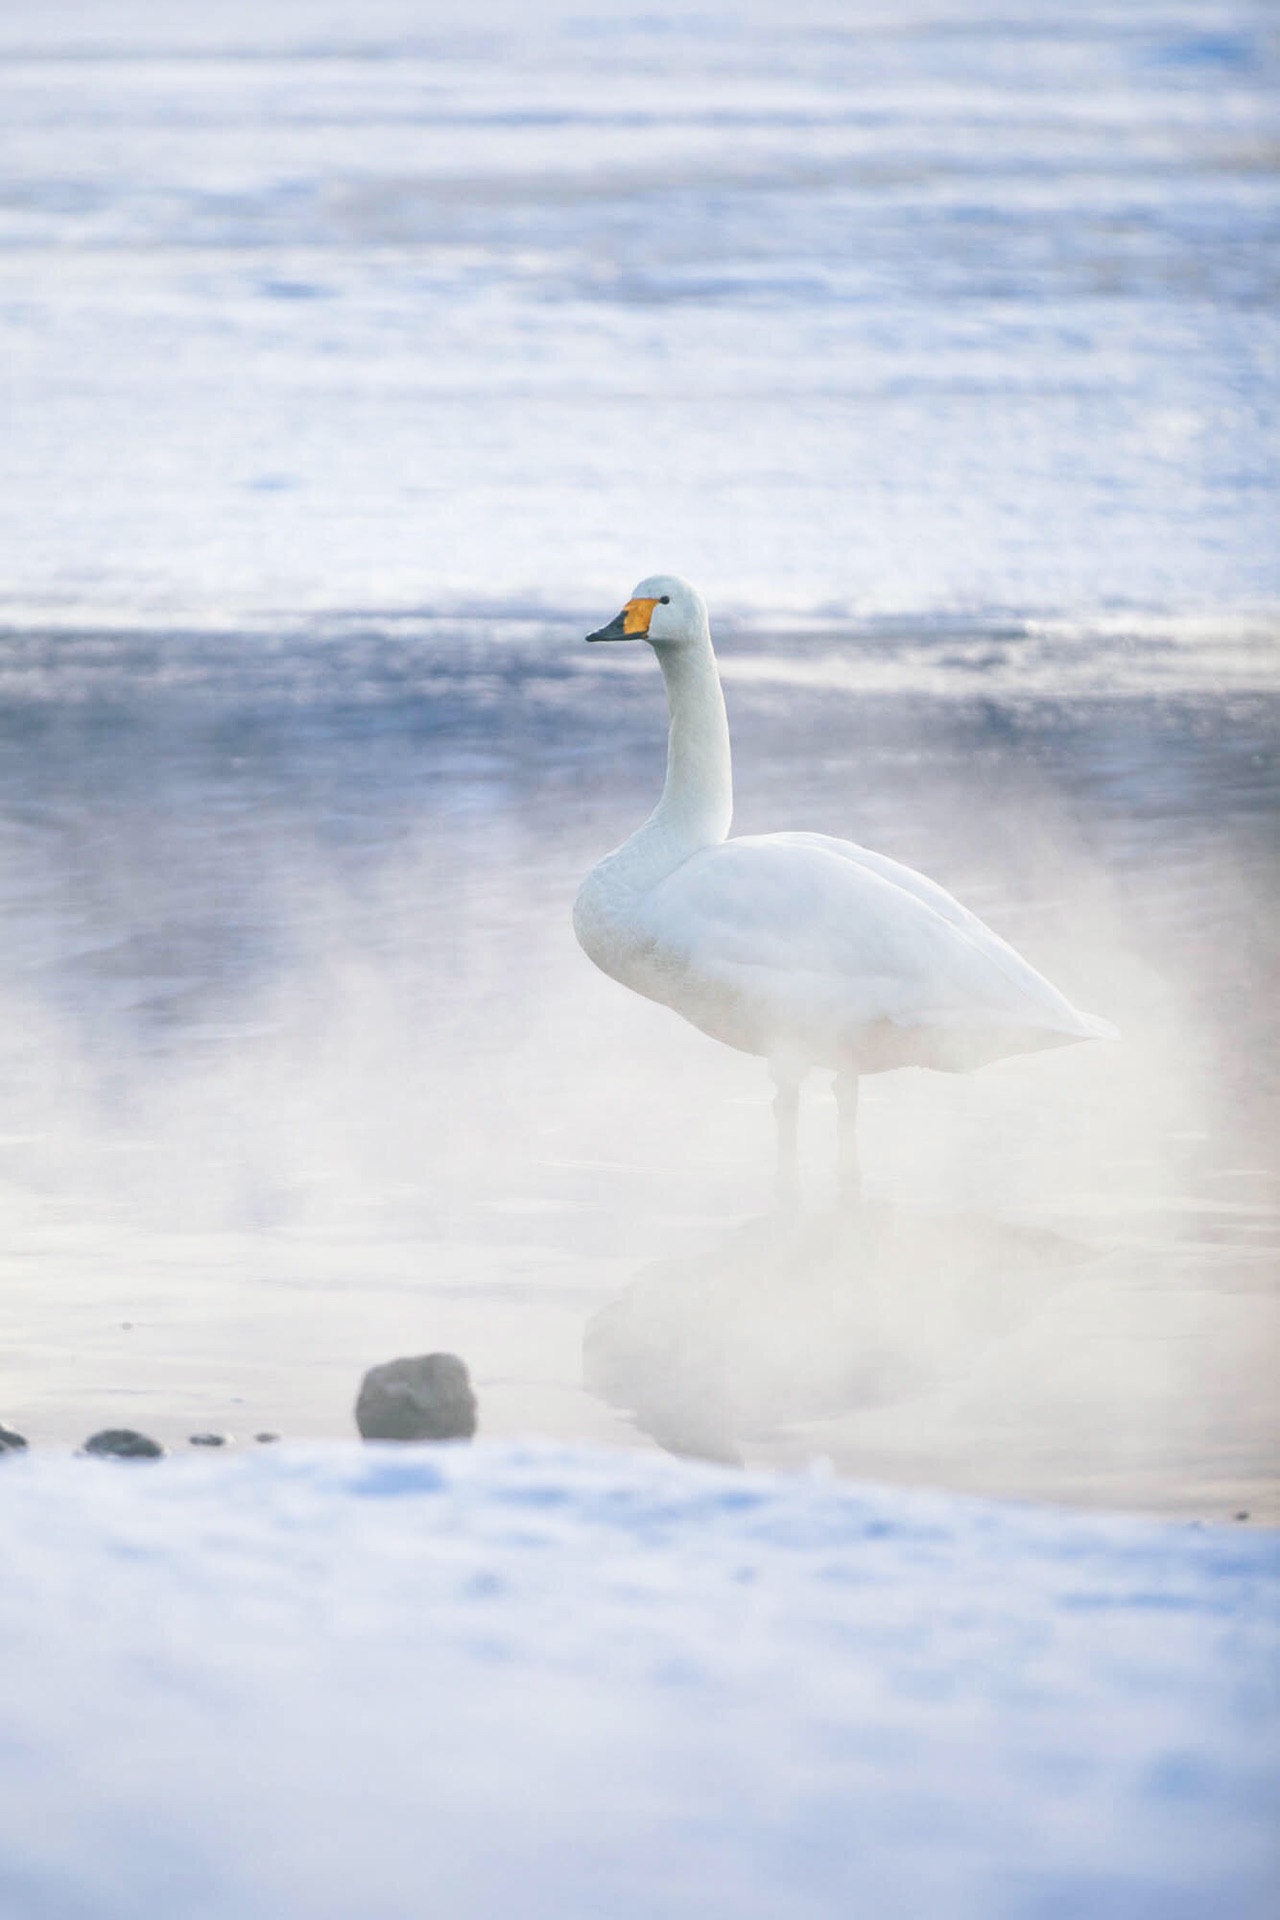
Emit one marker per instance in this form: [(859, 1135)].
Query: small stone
[(126, 1326), (1243, 1514), (266, 1439), (208, 1439), (426, 1398), (11, 1442), (122, 1443)]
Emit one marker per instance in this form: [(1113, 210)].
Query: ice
[(828, 306)]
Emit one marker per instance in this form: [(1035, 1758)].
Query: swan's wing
[(917, 884), (811, 921), (1018, 972)]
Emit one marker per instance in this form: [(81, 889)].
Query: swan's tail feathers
[(957, 1045)]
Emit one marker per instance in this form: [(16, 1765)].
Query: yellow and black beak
[(631, 624)]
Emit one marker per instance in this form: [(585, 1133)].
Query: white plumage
[(807, 950)]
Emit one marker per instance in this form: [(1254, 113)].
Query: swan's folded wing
[(801, 917), (1019, 974), (919, 885)]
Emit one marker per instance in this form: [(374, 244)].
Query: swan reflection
[(780, 1323)]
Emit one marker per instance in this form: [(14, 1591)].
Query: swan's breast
[(606, 920), (617, 929)]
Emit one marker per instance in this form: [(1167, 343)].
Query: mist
[(302, 1064)]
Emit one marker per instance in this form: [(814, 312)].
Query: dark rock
[(208, 1439), (266, 1439), (427, 1398), (11, 1442), (122, 1443), (1242, 1516)]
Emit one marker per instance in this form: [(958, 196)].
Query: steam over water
[(354, 377)]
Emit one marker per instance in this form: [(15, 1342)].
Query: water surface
[(303, 1066)]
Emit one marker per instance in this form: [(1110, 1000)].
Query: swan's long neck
[(697, 797)]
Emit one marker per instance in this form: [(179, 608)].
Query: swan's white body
[(807, 950)]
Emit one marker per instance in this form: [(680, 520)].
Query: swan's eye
[(664, 599)]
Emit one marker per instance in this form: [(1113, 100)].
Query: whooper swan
[(806, 950)]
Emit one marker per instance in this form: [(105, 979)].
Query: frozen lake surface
[(858, 307)]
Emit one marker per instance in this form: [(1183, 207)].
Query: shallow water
[(304, 1068), (350, 377)]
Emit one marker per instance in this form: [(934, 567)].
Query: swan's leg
[(786, 1111), (848, 1173)]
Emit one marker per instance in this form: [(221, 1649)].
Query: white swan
[(809, 951)]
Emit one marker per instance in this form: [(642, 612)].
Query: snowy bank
[(532, 1681)]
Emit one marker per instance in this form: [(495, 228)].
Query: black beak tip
[(616, 629)]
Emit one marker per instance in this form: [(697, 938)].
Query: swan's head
[(663, 609)]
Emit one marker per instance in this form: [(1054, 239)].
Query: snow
[(829, 307), (560, 1683)]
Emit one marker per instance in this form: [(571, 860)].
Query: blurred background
[(355, 363)]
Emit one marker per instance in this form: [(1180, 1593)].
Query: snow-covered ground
[(568, 1685)]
